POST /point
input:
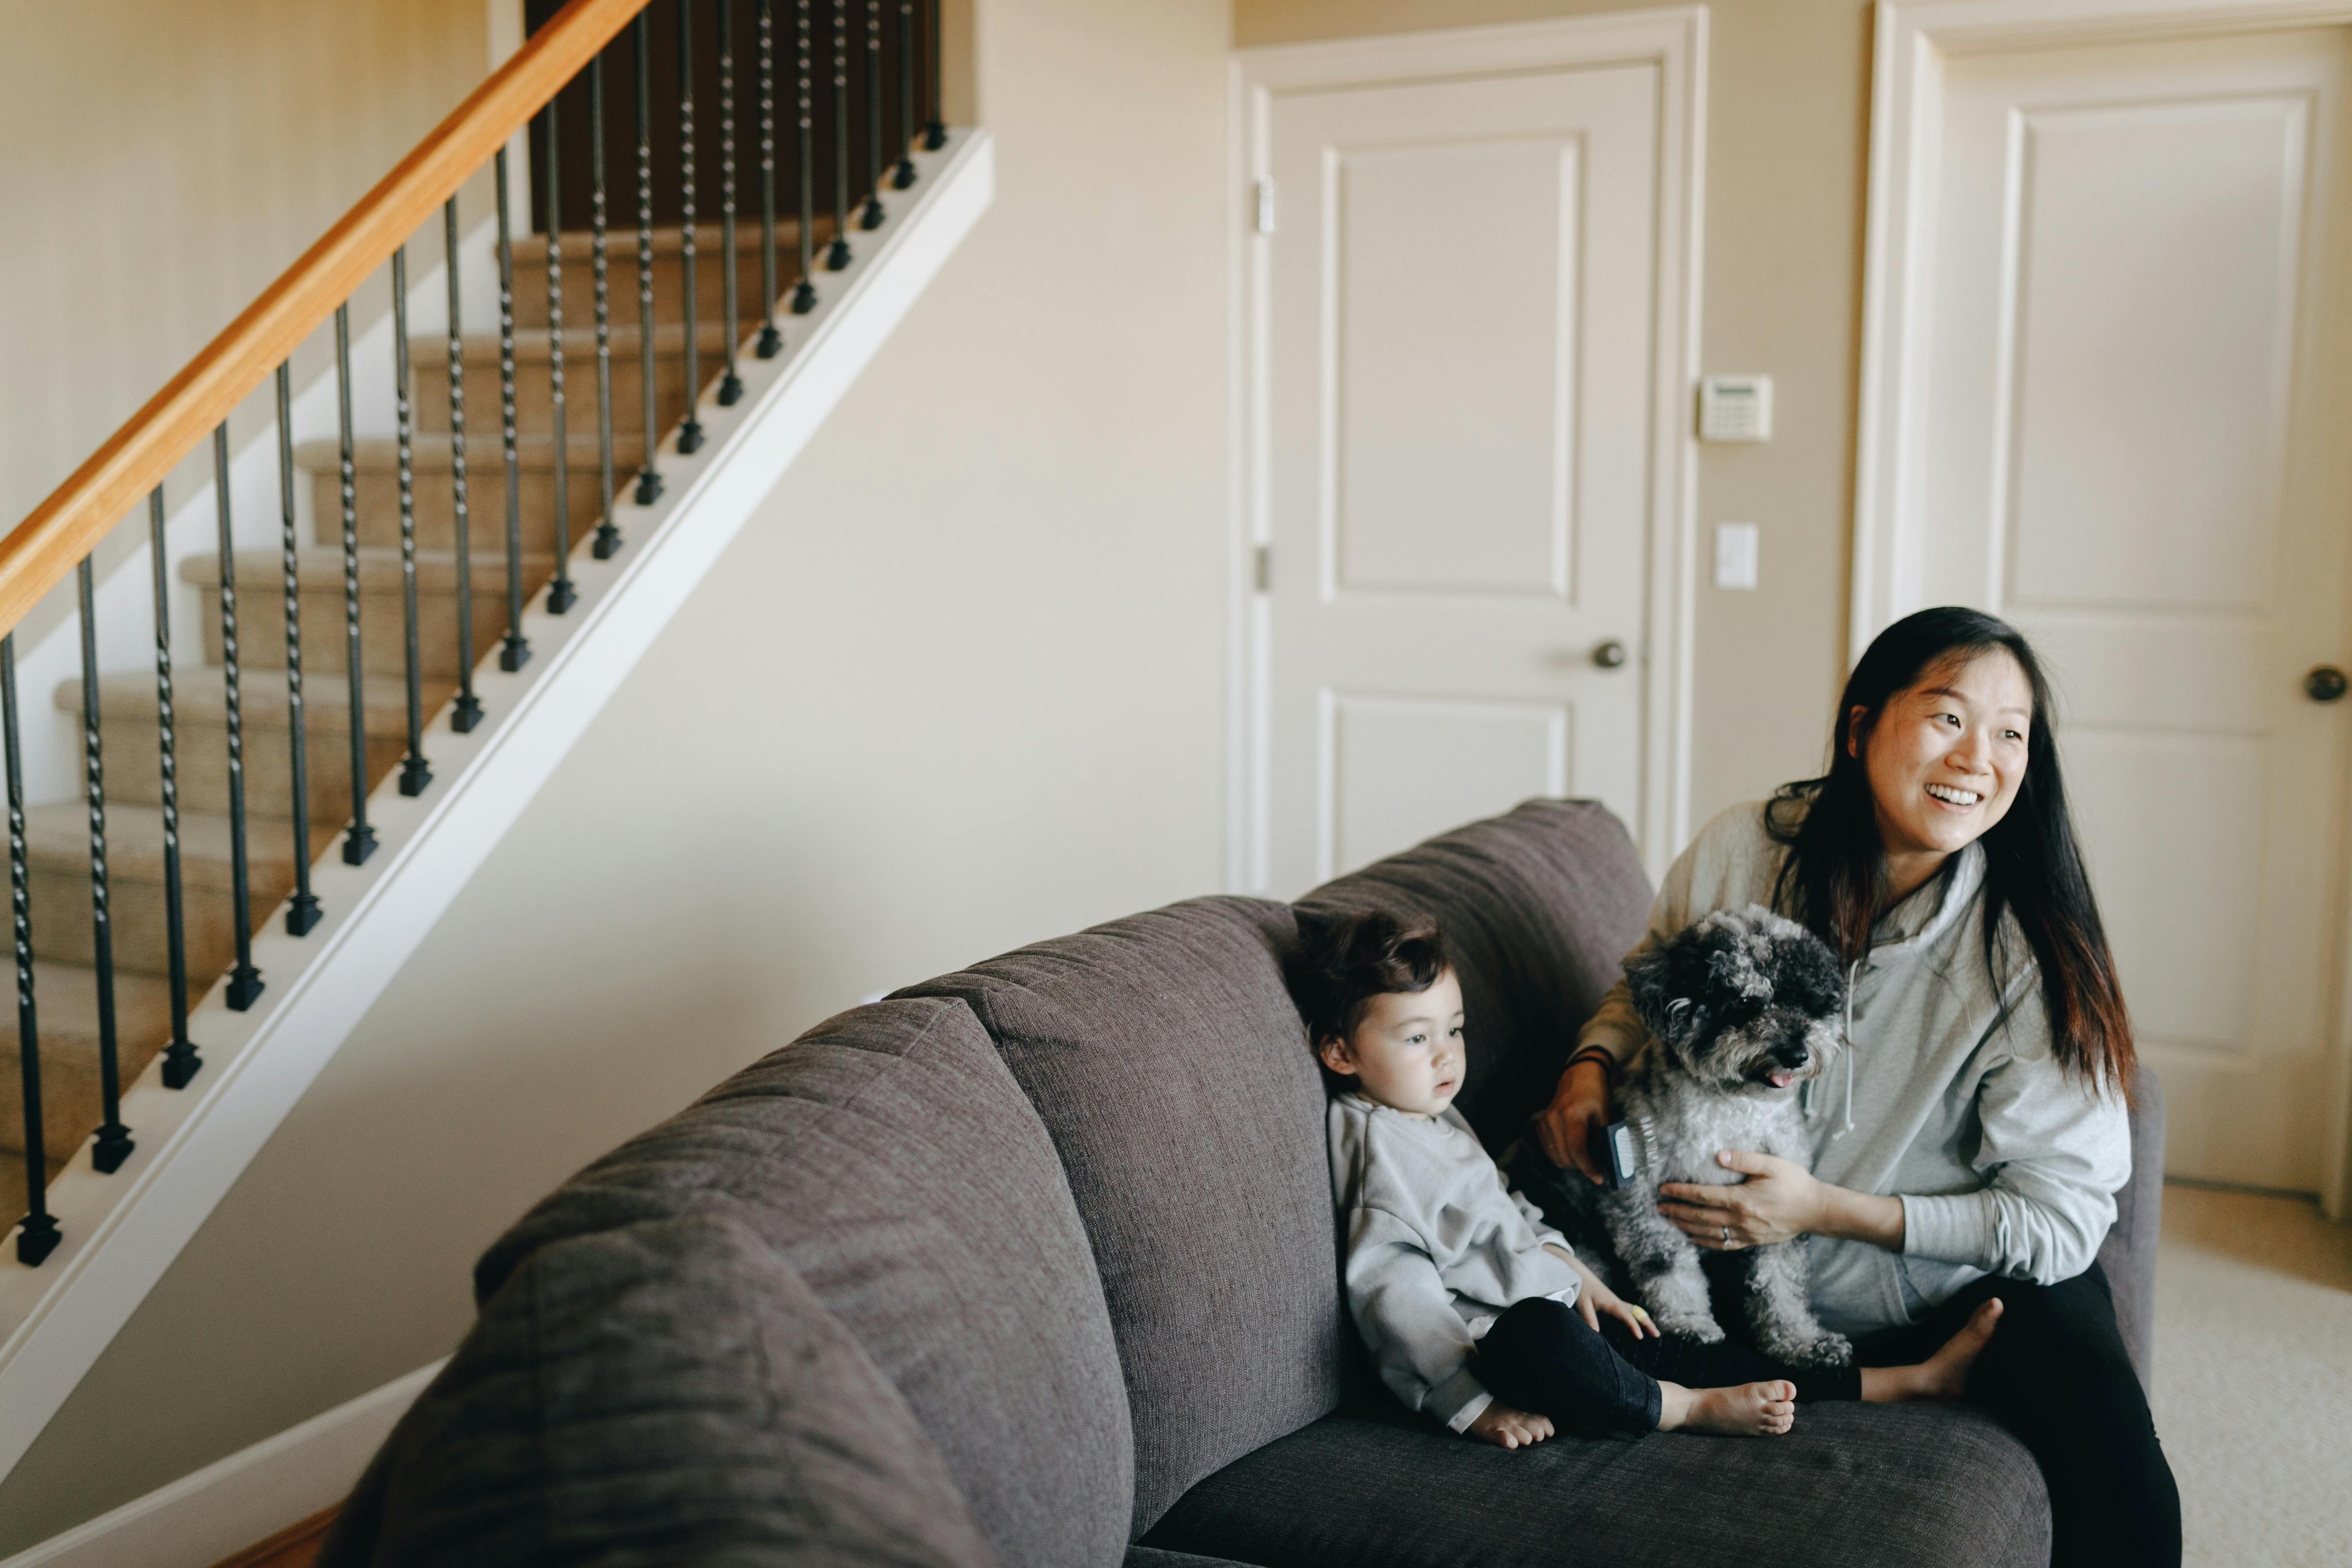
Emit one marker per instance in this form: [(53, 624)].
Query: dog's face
[(1743, 1002)]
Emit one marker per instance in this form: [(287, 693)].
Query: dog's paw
[(1701, 1326)]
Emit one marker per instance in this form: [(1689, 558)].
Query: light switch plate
[(1735, 555), (1735, 408)]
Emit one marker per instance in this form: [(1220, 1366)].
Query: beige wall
[(958, 686), (1787, 103), (166, 162)]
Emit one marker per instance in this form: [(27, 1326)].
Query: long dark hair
[(1834, 877)]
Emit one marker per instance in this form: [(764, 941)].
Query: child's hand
[(1499, 1424), (1594, 1299)]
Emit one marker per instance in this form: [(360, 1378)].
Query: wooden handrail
[(39, 553)]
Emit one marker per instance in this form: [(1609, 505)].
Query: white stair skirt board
[(246, 1499), (121, 1231)]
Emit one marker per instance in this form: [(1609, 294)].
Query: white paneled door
[(1456, 324), (2134, 445)]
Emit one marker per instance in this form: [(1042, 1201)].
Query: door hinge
[(1262, 566), (1265, 206)]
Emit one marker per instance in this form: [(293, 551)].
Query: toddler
[(1475, 1309)]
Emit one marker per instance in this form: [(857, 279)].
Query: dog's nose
[(1791, 1053)]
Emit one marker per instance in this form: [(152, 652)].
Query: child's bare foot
[(1942, 1376), (1748, 1410)]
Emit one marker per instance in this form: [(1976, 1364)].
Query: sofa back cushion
[(667, 1391), (1539, 907), (890, 1161), (1170, 1066)]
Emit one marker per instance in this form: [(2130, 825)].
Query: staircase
[(341, 879)]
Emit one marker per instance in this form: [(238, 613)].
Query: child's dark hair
[(1346, 960)]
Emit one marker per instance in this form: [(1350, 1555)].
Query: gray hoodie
[(1437, 1247), (2004, 1164)]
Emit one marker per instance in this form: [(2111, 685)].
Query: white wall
[(960, 686)]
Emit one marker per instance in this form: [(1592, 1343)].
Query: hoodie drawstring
[(1853, 978)]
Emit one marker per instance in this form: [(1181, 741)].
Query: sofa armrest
[(2128, 1255)]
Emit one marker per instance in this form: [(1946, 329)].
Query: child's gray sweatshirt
[(1437, 1247)]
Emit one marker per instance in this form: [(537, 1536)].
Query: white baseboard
[(247, 1497)]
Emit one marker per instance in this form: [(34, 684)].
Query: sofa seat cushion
[(1852, 1486), (1171, 1067), (1539, 907), (890, 1161), (667, 1393)]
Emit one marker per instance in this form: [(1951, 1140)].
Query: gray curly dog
[(1742, 1008)]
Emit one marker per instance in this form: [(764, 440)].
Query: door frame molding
[(1912, 41), (1674, 39)]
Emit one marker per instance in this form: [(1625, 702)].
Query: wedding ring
[(1726, 1235)]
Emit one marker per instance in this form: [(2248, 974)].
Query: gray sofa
[(1035, 1265)]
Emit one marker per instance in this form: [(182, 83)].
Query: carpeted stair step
[(669, 270), (376, 487), (64, 1010), (261, 609), (429, 361)]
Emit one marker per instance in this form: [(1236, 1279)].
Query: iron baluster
[(649, 482), (804, 295), (873, 215), (358, 843), (180, 1058), (836, 256), (560, 594), (38, 1236), (244, 980), (303, 912), (515, 652), (468, 712), (690, 435), (605, 528), (772, 341), (413, 772), (935, 129), (113, 1145), (730, 385), (905, 176)]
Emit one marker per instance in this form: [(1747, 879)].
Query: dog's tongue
[(1780, 1080)]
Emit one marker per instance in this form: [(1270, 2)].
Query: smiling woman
[(1971, 1147)]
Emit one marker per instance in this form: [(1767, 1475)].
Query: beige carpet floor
[(2253, 1378)]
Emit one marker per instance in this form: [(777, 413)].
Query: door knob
[(1612, 654), (2327, 684)]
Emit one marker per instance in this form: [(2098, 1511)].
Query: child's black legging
[(1540, 1357)]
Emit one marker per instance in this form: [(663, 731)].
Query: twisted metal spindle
[(690, 435), (605, 530), (468, 712), (872, 215), (560, 596), (244, 981), (804, 295), (772, 341), (415, 774), (649, 481), (935, 129), (515, 651), (730, 385), (836, 256), (905, 174), (113, 1144), (358, 843), (38, 1236), (181, 1061), (303, 912)]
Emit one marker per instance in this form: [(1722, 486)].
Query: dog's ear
[(1666, 983), (1808, 973)]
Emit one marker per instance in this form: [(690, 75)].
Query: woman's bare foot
[(1942, 1376), (1748, 1410)]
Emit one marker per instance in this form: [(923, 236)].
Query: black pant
[(1541, 1358), (2057, 1376)]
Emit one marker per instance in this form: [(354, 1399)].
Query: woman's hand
[(1576, 1114), (1505, 1428), (1780, 1200)]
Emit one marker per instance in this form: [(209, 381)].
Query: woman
[(1972, 1142)]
